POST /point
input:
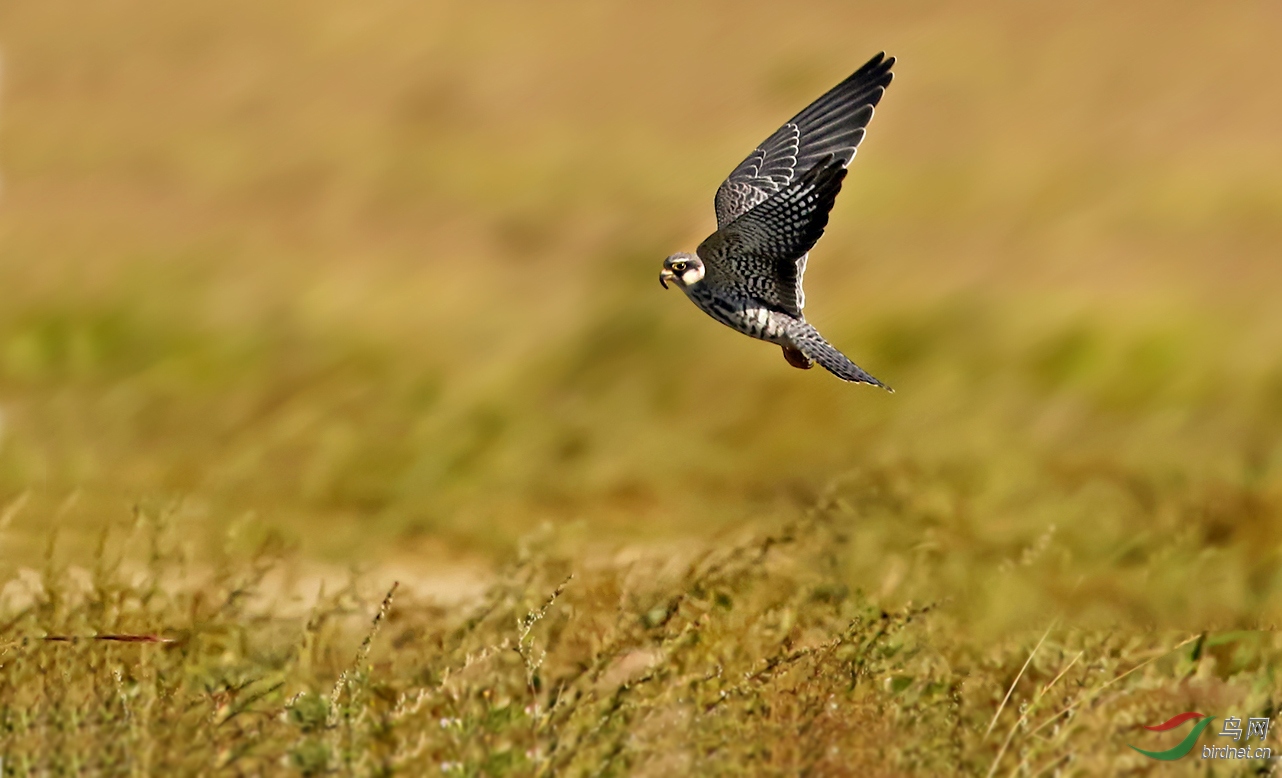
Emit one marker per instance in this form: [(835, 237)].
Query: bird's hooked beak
[(666, 275)]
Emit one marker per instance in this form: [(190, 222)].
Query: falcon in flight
[(770, 213)]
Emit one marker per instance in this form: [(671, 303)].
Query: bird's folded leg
[(797, 359)]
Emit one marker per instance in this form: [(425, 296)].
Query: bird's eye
[(680, 267)]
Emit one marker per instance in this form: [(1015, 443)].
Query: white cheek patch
[(692, 276)]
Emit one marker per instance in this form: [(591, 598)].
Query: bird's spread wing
[(763, 252), (833, 124)]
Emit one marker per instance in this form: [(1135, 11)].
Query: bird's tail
[(808, 340)]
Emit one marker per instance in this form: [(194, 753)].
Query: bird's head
[(684, 270)]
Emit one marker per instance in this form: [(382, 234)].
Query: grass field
[(344, 428)]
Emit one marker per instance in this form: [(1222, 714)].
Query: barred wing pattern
[(833, 124), (758, 251)]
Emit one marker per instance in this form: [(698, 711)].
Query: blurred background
[(379, 280)]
